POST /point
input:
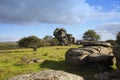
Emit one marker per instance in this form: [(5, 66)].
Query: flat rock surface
[(48, 75), (96, 43)]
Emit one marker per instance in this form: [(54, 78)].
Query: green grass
[(8, 45), (11, 62), (53, 57)]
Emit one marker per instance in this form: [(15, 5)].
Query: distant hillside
[(8, 45)]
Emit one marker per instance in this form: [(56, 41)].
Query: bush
[(54, 42), (44, 43)]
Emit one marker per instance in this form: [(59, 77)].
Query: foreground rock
[(48, 75), (114, 75), (116, 52), (93, 53)]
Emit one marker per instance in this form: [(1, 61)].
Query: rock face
[(48, 75), (96, 43), (63, 37), (116, 52), (114, 75), (96, 53)]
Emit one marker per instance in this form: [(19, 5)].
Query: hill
[(8, 45)]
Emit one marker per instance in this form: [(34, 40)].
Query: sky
[(23, 18)]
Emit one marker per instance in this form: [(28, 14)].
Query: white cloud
[(8, 38), (51, 11), (108, 30)]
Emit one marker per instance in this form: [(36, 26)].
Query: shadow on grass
[(86, 72)]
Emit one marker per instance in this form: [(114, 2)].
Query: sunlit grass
[(52, 58), (9, 60)]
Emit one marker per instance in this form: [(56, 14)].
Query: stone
[(96, 43), (112, 75), (76, 56), (48, 75), (100, 59), (88, 55), (102, 76), (34, 60), (62, 36), (30, 62), (100, 55), (116, 52)]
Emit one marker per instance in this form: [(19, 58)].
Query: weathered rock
[(112, 75), (116, 52), (100, 55), (76, 56), (102, 76), (48, 75), (99, 49), (96, 43), (103, 60), (34, 60), (62, 36), (95, 54)]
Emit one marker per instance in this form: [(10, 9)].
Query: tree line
[(34, 42)]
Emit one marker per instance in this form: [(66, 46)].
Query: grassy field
[(8, 45), (12, 61)]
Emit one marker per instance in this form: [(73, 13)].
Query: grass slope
[(11, 65), (8, 45)]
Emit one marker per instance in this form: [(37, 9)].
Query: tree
[(91, 35), (54, 42), (30, 42), (48, 38), (118, 38)]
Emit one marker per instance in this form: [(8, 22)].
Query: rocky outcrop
[(48, 75), (116, 52), (114, 75), (92, 52), (95, 43)]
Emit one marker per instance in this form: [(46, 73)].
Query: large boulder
[(113, 75), (48, 75), (63, 37), (76, 56), (90, 54)]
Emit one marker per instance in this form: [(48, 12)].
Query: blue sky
[(22, 18)]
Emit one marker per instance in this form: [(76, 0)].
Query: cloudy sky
[(22, 18)]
